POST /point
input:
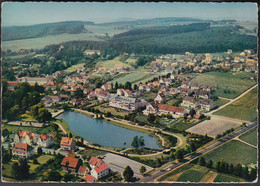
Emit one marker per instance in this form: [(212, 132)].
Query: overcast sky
[(28, 13)]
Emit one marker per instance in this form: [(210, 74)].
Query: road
[(232, 100), (187, 159)]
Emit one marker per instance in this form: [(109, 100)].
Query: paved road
[(233, 100), (217, 143)]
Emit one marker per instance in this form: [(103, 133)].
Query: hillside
[(40, 30)]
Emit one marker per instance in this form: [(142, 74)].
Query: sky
[(29, 13)]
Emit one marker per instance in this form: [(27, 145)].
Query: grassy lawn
[(226, 84), (111, 63), (13, 129), (233, 152), (89, 152), (250, 136), (219, 102), (114, 111), (6, 169), (195, 174), (27, 117), (44, 158), (181, 125), (74, 68), (65, 126), (148, 96), (244, 108), (227, 178), (171, 101)]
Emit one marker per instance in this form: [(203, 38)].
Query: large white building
[(125, 103)]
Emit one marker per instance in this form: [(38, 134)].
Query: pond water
[(103, 132)]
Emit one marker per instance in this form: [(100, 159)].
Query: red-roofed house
[(174, 111), (68, 143), (93, 162), (159, 98), (100, 171), (45, 140), (82, 171), (11, 84), (190, 102), (23, 150), (89, 179), (70, 164), (207, 104), (25, 137), (150, 109)]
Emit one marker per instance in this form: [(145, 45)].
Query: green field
[(227, 178), (13, 129), (233, 152), (88, 152), (195, 174), (250, 137), (219, 102), (227, 85), (111, 63), (182, 125), (244, 108)]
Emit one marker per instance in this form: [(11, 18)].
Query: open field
[(219, 102), (227, 178), (113, 111), (74, 68), (113, 63), (227, 85), (244, 108), (216, 125), (182, 125), (233, 152), (89, 152), (250, 137), (196, 173), (13, 129)]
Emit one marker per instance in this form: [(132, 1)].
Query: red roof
[(89, 178), (190, 99), (70, 162), (82, 169), (94, 161), (45, 137), (171, 108), (12, 83), (101, 167), (21, 147), (66, 141)]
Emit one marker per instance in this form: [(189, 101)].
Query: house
[(120, 92), (142, 87), (237, 67), (190, 102), (82, 171), (174, 111), (91, 95), (102, 95), (185, 92), (236, 59), (206, 87), (125, 103), (150, 109), (100, 171), (25, 137), (204, 94), (86, 91), (194, 86), (127, 93), (11, 84), (107, 86), (89, 179), (45, 140), (70, 164), (185, 84), (159, 98), (48, 100), (91, 52), (74, 101), (93, 162), (23, 150), (50, 84), (207, 104), (33, 80), (173, 91), (68, 144)]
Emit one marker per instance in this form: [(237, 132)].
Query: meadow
[(244, 108), (112, 63), (250, 137), (227, 85), (245, 153)]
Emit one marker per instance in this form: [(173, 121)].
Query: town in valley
[(169, 99)]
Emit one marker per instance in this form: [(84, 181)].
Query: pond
[(103, 132)]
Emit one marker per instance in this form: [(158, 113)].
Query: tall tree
[(142, 169), (128, 173), (209, 164), (179, 155), (238, 170), (202, 161)]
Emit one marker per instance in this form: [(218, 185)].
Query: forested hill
[(166, 30), (40, 30)]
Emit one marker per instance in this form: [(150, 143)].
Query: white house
[(25, 137), (100, 171), (45, 140), (68, 143)]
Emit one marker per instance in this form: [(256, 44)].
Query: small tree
[(202, 161), (179, 155), (142, 169), (128, 173), (231, 169), (209, 164), (238, 170), (39, 151)]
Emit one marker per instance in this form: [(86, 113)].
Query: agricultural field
[(250, 137), (108, 64), (216, 125), (74, 68), (227, 85), (196, 173), (247, 154), (219, 102), (244, 108)]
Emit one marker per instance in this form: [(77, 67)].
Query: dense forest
[(40, 30)]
